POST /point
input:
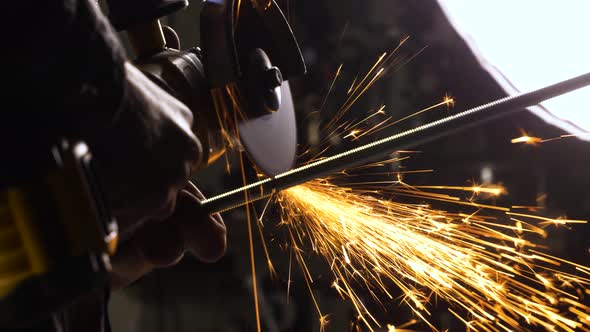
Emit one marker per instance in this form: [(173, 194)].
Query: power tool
[(56, 230), (247, 54)]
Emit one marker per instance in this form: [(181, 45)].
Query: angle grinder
[(246, 57)]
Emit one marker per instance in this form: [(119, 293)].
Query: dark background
[(217, 297)]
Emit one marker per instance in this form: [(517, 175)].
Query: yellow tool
[(56, 235)]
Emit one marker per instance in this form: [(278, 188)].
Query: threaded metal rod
[(383, 147)]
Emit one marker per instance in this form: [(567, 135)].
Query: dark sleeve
[(63, 74)]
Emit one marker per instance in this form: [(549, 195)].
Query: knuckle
[(195, 151), (212, 248), (186, 144), (163, 206)]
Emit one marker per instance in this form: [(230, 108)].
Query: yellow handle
[(21, 253)]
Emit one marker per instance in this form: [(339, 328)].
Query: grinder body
[(234, 83)]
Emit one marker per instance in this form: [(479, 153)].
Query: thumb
[(205, 235), (163, 243)]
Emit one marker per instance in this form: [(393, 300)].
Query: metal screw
[(197, 51), (272, 78)]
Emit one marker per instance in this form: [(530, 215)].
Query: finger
[(160, 244), (128, 265), (204, 236), (137, 215), (154, 245), (194, 190)]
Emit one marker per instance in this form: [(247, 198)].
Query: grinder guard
[(255, 52)]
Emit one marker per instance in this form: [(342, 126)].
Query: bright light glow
[(486, 266), (527, 44), (527, 140)]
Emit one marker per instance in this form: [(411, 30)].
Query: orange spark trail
[(469, 260)]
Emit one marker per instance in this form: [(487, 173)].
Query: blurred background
[(554, 175)]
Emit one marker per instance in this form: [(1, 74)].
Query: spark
[(331, 86), (250, 233), (238, 10), (227, 107), (491, 190), (526, 139), (335, 129), (353, 133), (448, 100), (324, 321), (373, 75), (565, 136), (352, 85), (228, 111), (531, 140), (401, 327), (477, 266)]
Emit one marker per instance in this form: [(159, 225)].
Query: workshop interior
[(380, 165)]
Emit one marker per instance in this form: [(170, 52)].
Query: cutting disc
[(271, 139)]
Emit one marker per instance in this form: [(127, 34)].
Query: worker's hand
[(163, 243), (147, 154), (146, 158)]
